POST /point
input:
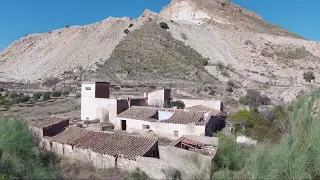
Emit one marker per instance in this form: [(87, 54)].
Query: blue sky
[(20, 17)]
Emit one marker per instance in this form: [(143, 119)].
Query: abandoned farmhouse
[(148, 114), (138, 124)]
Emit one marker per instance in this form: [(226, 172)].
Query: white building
[(97, 104), (160, 98), (169, 123)]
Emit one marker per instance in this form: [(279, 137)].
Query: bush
[(179, 104), (138, 174), (86, 122), (46, 96), (225, 73), (308, 76), (67, 26), (130, 25), (221, 66), (231, 84), (164, 25), (36, 96), (65, 93), (229, 156), (56, 94), (78, 95), (126, 31), (13, 95), (1, 89), (6, 94), (229, 89), (21, 158), (96, 121), (205, 63)]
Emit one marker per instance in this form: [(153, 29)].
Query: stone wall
[(152, 166), (218, 105), (191, 165), (36, 132)]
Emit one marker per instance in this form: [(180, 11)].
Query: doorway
[(123, 125)]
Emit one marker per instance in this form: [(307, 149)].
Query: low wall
[(191, 165), (151, 166)]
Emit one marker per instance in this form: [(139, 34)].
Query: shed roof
[(197, 140), (179, 116), (127, 146), (46, 122)]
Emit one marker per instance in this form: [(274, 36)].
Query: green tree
[(164, 25)]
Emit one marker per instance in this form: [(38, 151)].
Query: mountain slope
[(238, 44)]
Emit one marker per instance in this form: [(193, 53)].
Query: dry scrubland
[(297, 156)]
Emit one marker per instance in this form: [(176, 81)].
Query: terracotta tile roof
[(179, 116), (127, 146), (46, 122)]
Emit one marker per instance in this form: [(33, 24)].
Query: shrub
[(164, 25), (126, 31), (242, 115), (179, 104), (229, 89), (0, 95), (78, 95), (56, 94), (79, 125), (1, 89), (96, 121), (229, 156), (205, 62), (65, 93), (86, 122), (221, 66), (138, 174), (25, 98), (130, 25), (264, 100), (184, 36), (13, 95), (225, 73), (36, 96), (6, 94), (308, 76), (67, 26), (22, 159), (231, 83), (46, 96)]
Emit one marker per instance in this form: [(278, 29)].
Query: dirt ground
[(68, 107)]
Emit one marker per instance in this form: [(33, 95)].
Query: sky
[(20, 17)]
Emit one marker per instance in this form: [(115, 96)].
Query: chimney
[(129, 102), (145, 95)]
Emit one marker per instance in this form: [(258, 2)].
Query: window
[(88, 88), (144, 126), (175, 133)]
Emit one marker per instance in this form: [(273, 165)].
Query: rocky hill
[(208, 45)]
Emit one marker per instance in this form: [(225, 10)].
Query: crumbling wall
[(152, 166), (190, 164), (159, 98), (36, 132)]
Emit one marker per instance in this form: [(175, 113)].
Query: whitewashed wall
[(163, 129), (156, 98), (88, 108), (96, 108)]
